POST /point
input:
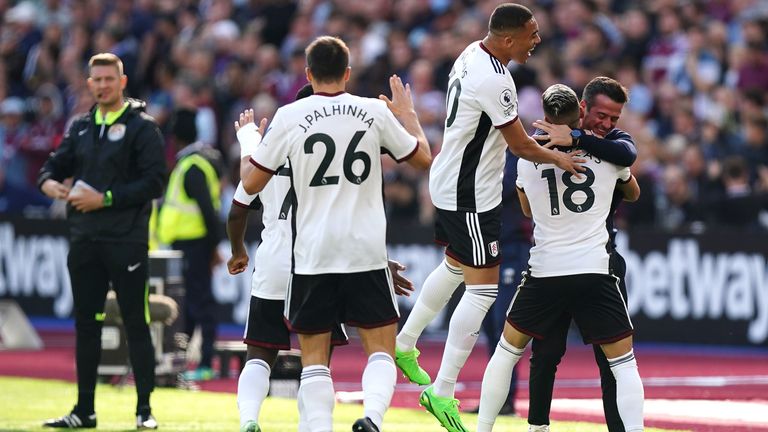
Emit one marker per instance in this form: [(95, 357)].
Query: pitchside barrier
[(705, 288)]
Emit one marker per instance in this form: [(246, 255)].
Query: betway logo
[(35, 266), (684, 283)]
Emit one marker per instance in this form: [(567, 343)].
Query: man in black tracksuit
[(115, 156)]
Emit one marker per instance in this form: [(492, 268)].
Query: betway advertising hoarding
[(710, 288)]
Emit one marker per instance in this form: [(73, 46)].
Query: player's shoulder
[(481, 64)]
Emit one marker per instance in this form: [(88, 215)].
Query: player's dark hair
[(305, 91), (509, 17), (604, 86), (561, 105), (327, 59), (106, 59)]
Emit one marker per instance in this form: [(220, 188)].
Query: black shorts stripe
[(465, 189), (295, 203)]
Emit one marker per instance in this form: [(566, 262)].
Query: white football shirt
[(569, 214), (481, 99), (334, 143), (272, 261)]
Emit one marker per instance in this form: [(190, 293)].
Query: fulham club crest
[(493, 248)]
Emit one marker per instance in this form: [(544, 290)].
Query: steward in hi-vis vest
[(189, 222)]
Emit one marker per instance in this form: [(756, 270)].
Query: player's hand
[(401, 102), (403, 286), (86, 200), (54, 189), (570, 162), (245, 118), (237, 263), (558, 135)]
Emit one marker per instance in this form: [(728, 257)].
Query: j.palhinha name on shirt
[(334, 110), (583, 154)]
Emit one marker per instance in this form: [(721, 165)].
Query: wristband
[(249, 138), (108, 198)]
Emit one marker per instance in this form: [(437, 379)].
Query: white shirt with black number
[(272, 261), (334, 143), (569, 214), (481, 99)]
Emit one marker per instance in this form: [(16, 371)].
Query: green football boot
[(408, 363), (445, 410), (250, 426)]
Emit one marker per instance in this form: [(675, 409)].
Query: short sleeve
[(497, 97), (394, 138), (624, 174), (519, 180), (275, 146), (243, 198)]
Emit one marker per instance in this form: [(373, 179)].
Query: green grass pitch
[(25, 403)]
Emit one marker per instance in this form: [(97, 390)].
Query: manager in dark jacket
[(114, 154)]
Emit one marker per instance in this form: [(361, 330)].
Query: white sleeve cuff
[(249, 138)]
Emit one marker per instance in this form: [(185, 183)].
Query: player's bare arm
[(402, 107), (237, 221), (525, 206), (249, 138), (527, 148), (630, 189)]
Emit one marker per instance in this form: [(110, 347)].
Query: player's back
[(481, 98), (334, 144), (569, 214)]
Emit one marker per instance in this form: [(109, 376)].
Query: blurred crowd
[(697, 72)]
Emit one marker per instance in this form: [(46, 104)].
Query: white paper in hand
[(79, 187), (249, 138)]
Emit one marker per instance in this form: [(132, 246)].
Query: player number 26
[(350, 156)]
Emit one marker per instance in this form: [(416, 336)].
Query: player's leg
[(545, 356), (607, 380), (265, 334), (311, 308), (629, 387), (498, 372), (536, 306), (602, 316), (474, 246), (90, 281), (464, 328), (434, 295), (371, 305)]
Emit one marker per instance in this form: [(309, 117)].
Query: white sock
[(495, 387), (435, 293), (629, 391), (317, 385), (462, 335), (379, 379), (303, 423), (252, 389)]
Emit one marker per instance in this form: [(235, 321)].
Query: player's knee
[(482, 296)]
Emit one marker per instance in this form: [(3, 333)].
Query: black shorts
[(470, 238), (266, 327), (593, 300), (317, 302)]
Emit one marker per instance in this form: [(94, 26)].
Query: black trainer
[(364, 425), (145, 420), (73, 420)]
